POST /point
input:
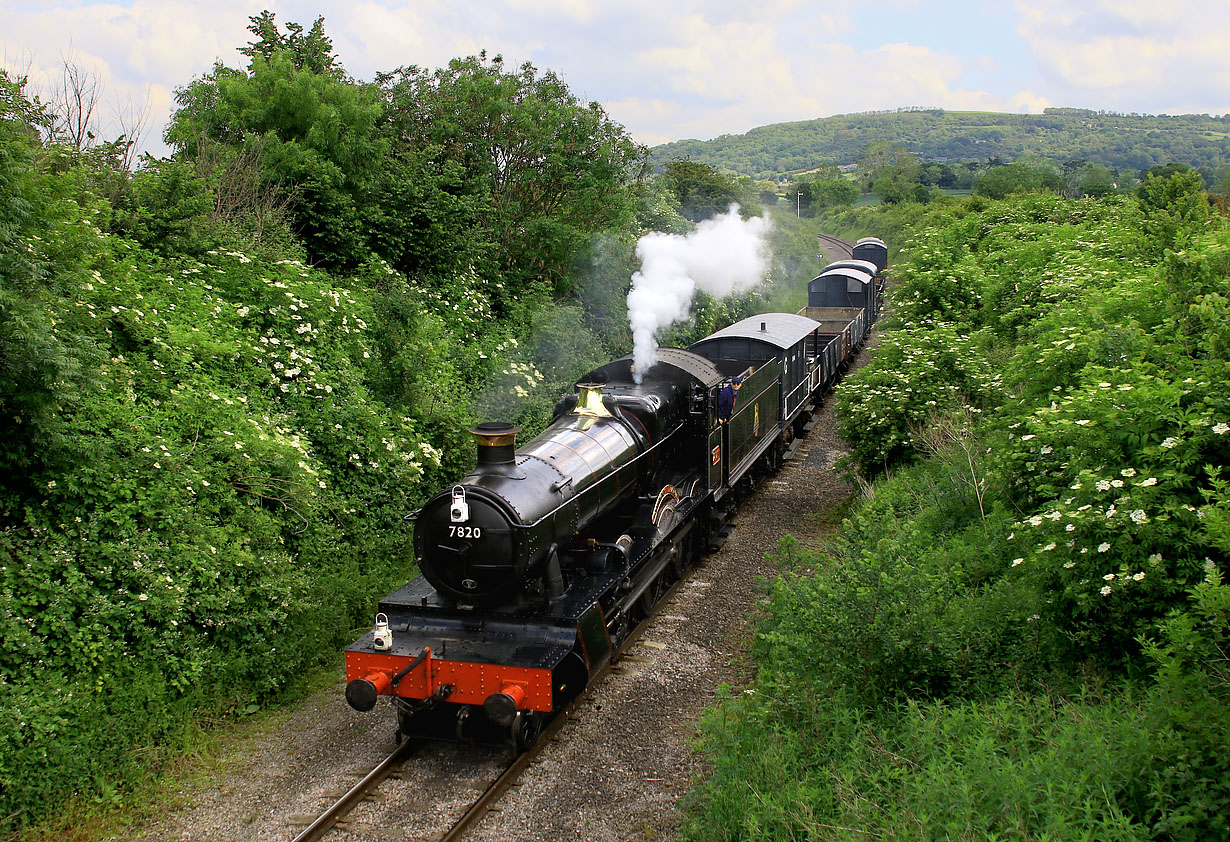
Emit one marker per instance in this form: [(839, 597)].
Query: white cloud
[(757, 84), (139, 53), (669, 69), (1131, 54)]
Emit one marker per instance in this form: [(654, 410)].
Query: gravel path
[(616, 773)]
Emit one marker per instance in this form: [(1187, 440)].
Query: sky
[(674, 69)]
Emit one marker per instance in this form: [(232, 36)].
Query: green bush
[(793, 765), (1022, 633), (913, 376), (1184, 787), (214, 518)]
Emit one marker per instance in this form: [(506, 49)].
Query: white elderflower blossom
[(1105, 590), (1170, 442), (1139, 516), (1104, 546), (1221, 429)]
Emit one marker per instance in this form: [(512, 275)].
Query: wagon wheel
[(526, 728), (618, 631), (679, 561), (649, 598)]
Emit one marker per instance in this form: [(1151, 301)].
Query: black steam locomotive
[(538, 563)]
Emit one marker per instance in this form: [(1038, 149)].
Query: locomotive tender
[(538, 563)]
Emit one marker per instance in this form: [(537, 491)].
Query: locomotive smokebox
[(497, 442)]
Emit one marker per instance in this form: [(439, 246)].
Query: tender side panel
[(756, 421), (472, 683)]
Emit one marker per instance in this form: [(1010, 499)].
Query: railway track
[(445, 790), (357, 793), (334, 816), (834, 248), (367, 788)]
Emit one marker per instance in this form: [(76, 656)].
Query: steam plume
[(725, 254)]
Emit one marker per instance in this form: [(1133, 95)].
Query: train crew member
[(726, 399)]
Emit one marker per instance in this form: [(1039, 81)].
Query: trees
[(829, 189), (1175, 206), (41, 362), (1018, 177), (1091, 180), (545, 170), (294, 109), (312, 52), (295, 133), (892, 172), (702, 190), (939, 175), (315, 131), (1118, 141)]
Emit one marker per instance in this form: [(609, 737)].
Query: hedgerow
[(214, 515), (1022, 633)]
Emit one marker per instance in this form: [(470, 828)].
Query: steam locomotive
[(538, 563)]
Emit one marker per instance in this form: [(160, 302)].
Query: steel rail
[(837, 241), (483, 804), (330, 817), (508, 777)]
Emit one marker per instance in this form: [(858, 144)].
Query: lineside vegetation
[(228, 375), (1023, 632)]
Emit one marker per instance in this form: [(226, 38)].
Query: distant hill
[(1119, 141)]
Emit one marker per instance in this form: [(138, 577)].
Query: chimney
[(496, 442)]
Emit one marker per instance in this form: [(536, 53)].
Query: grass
[(211, 748)]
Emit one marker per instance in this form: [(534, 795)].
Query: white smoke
[(725, 254)]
